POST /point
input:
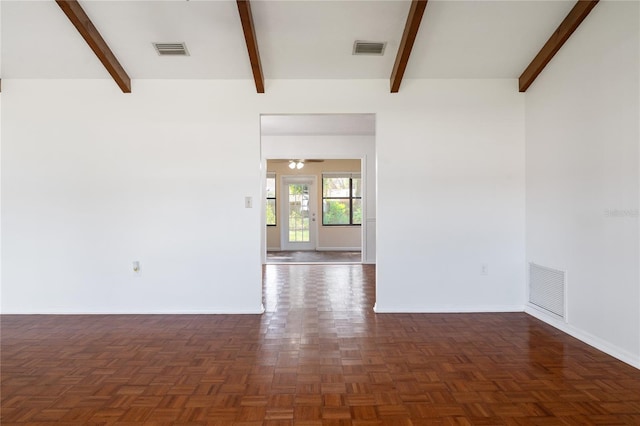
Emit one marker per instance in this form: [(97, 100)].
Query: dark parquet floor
[(318, 356)]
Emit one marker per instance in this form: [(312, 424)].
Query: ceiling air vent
[(171, 49), (368, 48)]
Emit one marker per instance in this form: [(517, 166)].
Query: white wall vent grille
[(547, 288), (368, 48), (171, 49)]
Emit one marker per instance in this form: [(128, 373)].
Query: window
[(341, 199), (271, 199)]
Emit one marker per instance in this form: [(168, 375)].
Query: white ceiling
[(300, 39), (482, 39)]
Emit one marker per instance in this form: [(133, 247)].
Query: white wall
[(451, 198), (0, 199), (582, 116), (93, 179)]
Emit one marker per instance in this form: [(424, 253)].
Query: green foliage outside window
[(341, 200), (336, 212)]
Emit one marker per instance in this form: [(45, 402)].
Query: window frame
[(342, 175), (272, 175)]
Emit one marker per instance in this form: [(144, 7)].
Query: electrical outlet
[(484, 269)]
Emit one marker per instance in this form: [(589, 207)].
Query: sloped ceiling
[(297, 39)]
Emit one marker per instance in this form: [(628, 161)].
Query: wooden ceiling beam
[(244, 9), (408, 38), (555, 42), (88, 31)]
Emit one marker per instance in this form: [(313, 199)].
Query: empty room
[(467, 172)]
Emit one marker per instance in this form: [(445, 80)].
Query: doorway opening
[(319, 188)]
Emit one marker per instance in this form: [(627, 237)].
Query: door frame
[(275, 146), (283, 209)]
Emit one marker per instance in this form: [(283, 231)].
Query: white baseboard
[(446, 309), (589, 339), (221, 311), (339, 249)]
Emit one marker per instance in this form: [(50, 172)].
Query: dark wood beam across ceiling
[(244, 9), (408, 38), (85, 27), (555, 42)]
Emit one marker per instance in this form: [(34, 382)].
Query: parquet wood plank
[(318, 356)]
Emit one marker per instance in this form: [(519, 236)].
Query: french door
[(298, 213)]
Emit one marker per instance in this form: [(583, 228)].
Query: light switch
[(248, 202)]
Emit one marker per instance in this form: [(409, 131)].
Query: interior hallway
[(317, 356)]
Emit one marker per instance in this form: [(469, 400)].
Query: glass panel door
[(298, 214)]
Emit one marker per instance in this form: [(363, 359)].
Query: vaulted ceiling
[(301, 39)]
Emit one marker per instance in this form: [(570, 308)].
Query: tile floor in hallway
[(317, 356)]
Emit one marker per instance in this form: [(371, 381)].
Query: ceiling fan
[(298, 163)]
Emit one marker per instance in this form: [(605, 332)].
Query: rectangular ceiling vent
[(171, 49), (368, 48)]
